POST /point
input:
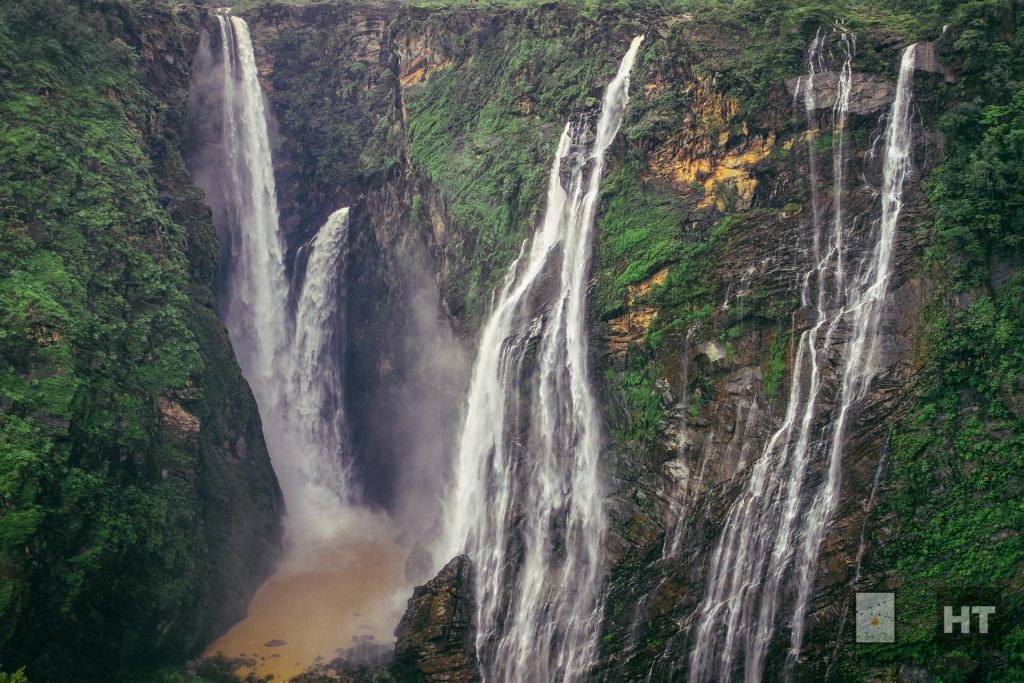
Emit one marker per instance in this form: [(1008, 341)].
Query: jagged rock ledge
[(436, 634)]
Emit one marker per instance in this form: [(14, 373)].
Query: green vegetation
[(640, 402), (966, 440), (642, 230), (685, 298), (776, 365), (101, 555), (483, 130), (959, 453), (93, 299)]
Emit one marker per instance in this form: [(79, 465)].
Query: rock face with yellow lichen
[(703, 157), (436, 634)]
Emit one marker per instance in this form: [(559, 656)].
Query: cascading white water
[(771, 531), (315, 437), (815, 65), (865, 310), (527, 501), (256, 287), (292, 362), (341, 576)]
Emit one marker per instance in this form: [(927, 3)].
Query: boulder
[(435, 637)]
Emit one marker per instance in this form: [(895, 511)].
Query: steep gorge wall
[(140, 508), (436, 125), (439, 122), (714, 381)]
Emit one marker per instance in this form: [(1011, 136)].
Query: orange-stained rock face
[(642, 289), (706, 155), (418, 59), (631, 328), (177, 418), (735, 168), (420, 70)]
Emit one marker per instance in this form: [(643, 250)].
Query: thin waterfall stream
[(775, 528)]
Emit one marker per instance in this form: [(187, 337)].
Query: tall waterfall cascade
[(291, 358), (527, 501), (773, 533), (256, 287), (317, 436)]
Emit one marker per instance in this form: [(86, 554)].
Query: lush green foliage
[(640, 402), (483, 131), (776, 365), (685, 299), (957, 511), (642, 231), (976, 192), (97, 325)]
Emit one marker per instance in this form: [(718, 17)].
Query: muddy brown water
[(319, 604)]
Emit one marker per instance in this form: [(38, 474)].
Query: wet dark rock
[(436, 633), (868, 93)]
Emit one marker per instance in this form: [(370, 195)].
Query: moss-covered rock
[(140, 511)]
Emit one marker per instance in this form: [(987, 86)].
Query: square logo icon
[(876, 620)]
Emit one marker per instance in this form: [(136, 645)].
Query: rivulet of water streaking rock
[(774, 530)]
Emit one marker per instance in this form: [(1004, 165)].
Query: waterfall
[(256, 289), (316, 436), (291, 360), (865, 310), (527, 501), (773, 531)]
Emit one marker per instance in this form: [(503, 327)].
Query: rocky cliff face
[(438, 125), (140, 508), (436, 634)]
